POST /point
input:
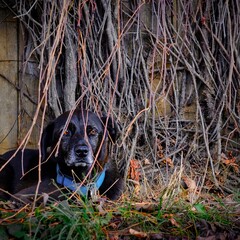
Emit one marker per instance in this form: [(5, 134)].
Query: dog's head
[(82, 138)]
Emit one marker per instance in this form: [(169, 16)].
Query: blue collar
[(83, 190)]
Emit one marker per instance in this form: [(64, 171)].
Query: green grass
[(82, 219)]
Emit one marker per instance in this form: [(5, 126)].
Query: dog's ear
[(112, 127), (47, 139)]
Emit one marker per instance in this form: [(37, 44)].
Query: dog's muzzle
[(81, 151), (79, 156)]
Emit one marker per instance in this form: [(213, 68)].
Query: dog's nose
[(81, 150)]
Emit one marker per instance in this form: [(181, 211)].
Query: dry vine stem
[(175, 62)]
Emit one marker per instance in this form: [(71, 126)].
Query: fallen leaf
[(170, 217), (146, 161), (169, 162), (230, 160), (137, 233), (134, 170), (145, 206), (191, 184)]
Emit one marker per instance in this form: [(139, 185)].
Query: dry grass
[(170, 216)]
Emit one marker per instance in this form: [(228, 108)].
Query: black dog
[(74, 151)]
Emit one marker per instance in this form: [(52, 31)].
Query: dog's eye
[(66, 133), (92, 132)]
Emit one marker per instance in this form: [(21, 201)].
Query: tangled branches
[(167, 70)]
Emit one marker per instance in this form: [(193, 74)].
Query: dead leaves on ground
[(134, 170), (190, 183), (230, 160), (136, 234), (134, 174), (173, 225), (143, 235)]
